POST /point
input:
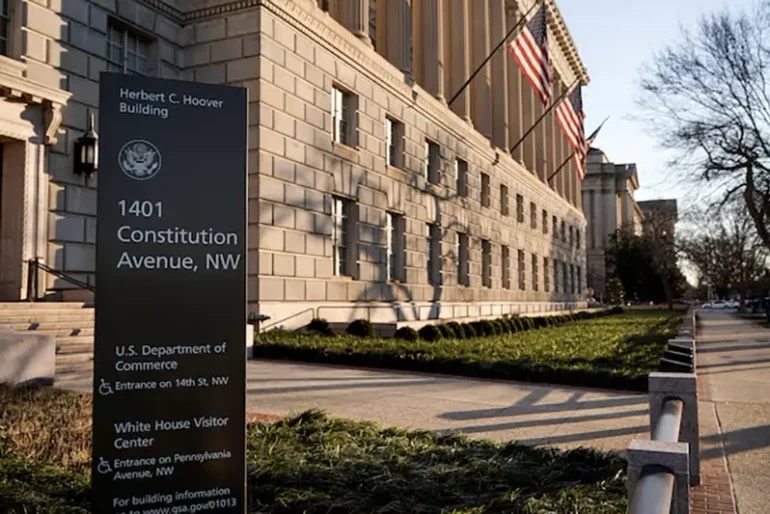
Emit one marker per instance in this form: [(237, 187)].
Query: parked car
[(733, 304), (719, 304)]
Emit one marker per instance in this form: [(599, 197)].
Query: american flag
[(530, 50), (570, 115)]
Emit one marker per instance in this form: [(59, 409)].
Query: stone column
[(481, 107), (499, 72), (558, 147), (399, 34), (432, 51), (460, 70), (539, 136), (515, 129), (357, 19), (529, 98)]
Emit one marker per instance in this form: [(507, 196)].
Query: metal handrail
[(655, 489), (34, 265)]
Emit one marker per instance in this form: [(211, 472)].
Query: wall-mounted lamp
[(87, 151)]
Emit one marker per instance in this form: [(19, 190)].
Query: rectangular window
[(5, 26), (533, 215), (545, 221), (503, 200), (565, 273), (535, 280), (571, 236), (343, 226), (519, 208), (394, 135), (486, 263), (433, 238), (463, 250), (579, 282), (572, 279), (563, 231), (577, 238), (522, 276), (546, 275), (432, 162), (555, 276), (461, 169), (396, 234), (126, 51), (373, 22), (506, 258), (344, 107), (555, 227), (484, 190)]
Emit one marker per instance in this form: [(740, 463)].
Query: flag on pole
[(530, 50), (570, 116)]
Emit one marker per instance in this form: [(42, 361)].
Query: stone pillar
[(459, 50), (432, 64), (499, 71), (357, 19), (398, 27), (515, 129), (481, 87)]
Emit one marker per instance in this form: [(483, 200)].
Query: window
[(344, 107), (565, 273), (396, 233), (486, 263), (5, 27), (506, 257), (461, 169), (563, 231), (546, 275), (126, 52), (555, 227), (555, 276), (535, 280), (394, 134), (579, 284), (432, 162), (572, 279), (545, 221), (463, 275), (522, 278), (433, 238), (577, 238), (533, 215), (373, 22), (571, 236), (484, 190), (343, 224), (503, 200), (519, 208)]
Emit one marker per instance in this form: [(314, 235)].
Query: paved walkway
[(734, 378)]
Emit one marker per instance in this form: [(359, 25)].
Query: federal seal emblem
[(139, 159)]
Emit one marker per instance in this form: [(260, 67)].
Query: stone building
[(369, 195), (609, 206)]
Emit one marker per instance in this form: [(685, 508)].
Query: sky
[(614, 39)]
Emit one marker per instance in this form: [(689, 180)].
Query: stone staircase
[(71, 322)]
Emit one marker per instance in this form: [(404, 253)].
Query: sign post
[(169, 360)]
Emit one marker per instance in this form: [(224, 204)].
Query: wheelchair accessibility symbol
[(103, 467), (105, 388)]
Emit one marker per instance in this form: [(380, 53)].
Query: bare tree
[(726, 250), (707, 97)]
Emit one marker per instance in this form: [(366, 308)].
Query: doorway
[(11, 228)]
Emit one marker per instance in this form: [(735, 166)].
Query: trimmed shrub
[(469, 330), (617, 310), (512, 325), (430, 333), (500, 326), (319, 326), (360, 328), (489, 328), (407, 334), (479, 328), (446, 331), (531, 323), (456, 329)]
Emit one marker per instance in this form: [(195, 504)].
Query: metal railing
[(35, 266), (662, 469)]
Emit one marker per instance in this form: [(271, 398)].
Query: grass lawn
[(314, 464), (615, 351)]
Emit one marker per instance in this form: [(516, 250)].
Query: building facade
[(369, 195), (609, 206)]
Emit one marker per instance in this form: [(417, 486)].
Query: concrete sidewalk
[(567, 417), (734, 379)]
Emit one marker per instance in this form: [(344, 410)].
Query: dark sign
[(170, 351)]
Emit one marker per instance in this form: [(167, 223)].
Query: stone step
[(45, 317), (6, 306), (69, 345)]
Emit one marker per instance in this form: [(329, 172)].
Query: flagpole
[(589, 142), (481, 66), (550, 108)]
